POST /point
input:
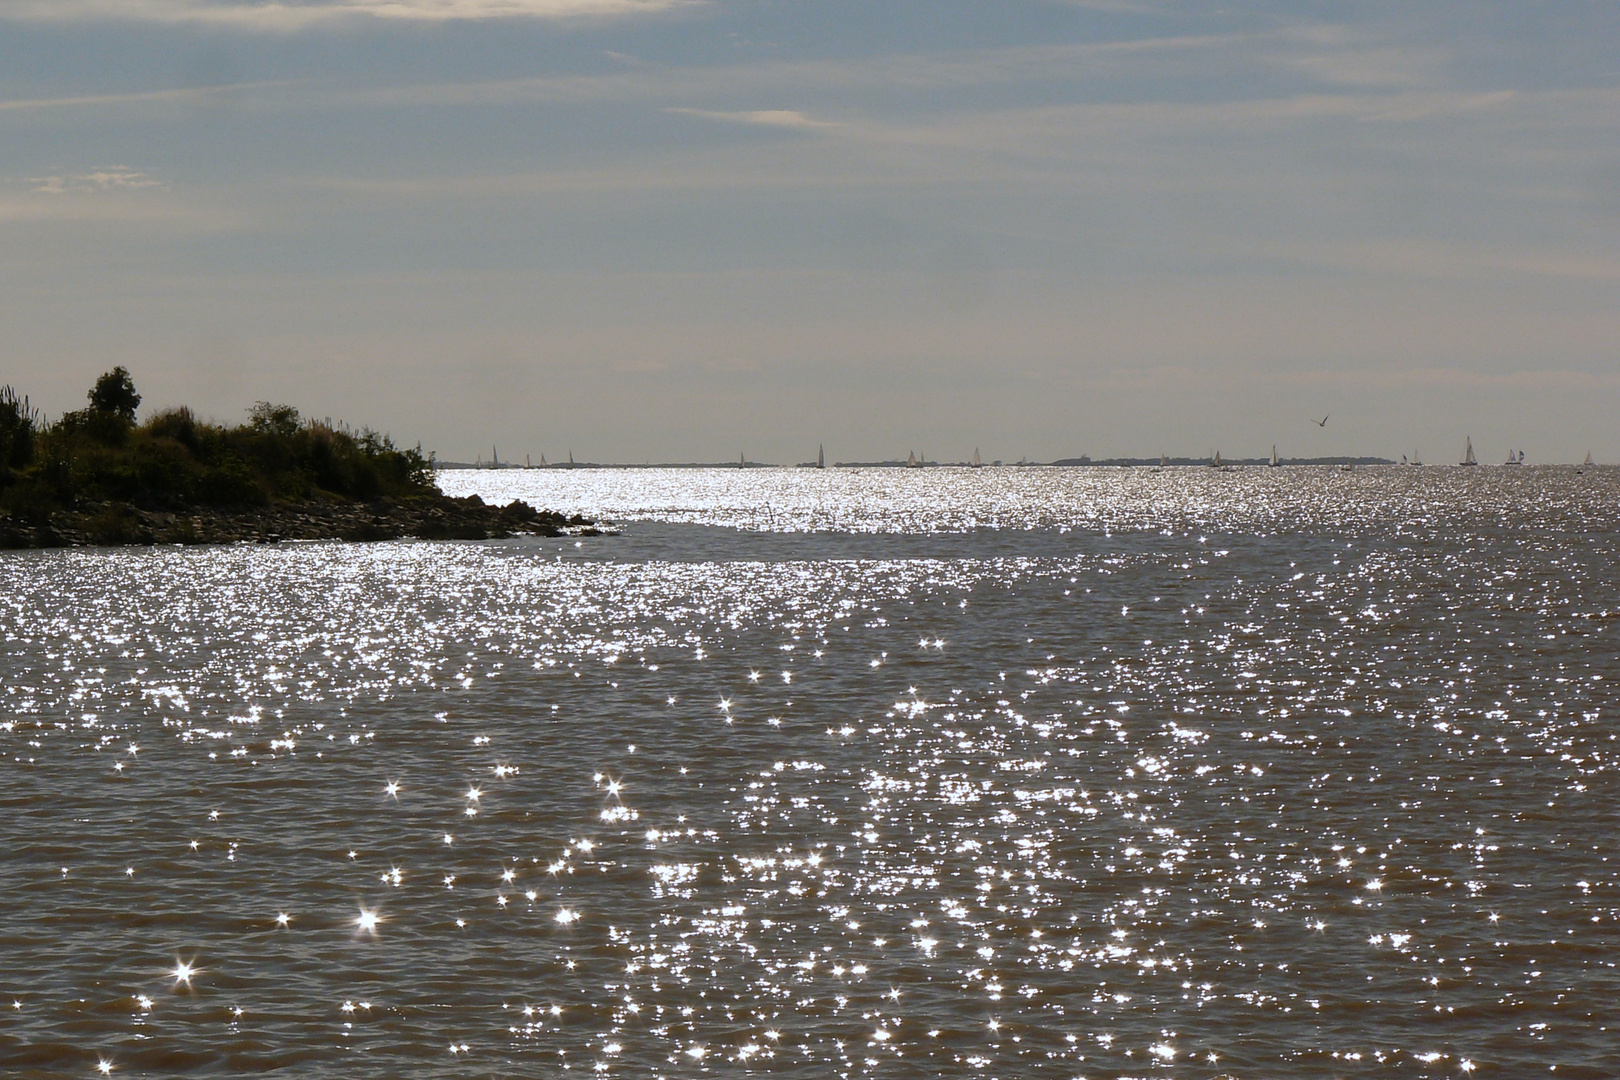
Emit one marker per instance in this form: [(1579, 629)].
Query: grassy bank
[(99, 475)]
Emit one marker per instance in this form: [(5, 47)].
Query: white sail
[(1216, 460), (543, 464), (1588, 459), (976, 462), (821, 456), (1274, 461), (1468, 454), (911, 460)]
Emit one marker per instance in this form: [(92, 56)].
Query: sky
[(680, 230)]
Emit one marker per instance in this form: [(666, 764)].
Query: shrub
[(19, 424), (178, 424), (173, 460)]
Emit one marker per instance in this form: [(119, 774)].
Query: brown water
[(1014, 773)]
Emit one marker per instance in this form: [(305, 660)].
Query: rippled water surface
[(1004, 773)]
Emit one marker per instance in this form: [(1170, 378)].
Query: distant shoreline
[(1081, 462)]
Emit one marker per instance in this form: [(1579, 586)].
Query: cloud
[(281, 15), (144, 97), (1337, 57), (112, 178), (782, 118)]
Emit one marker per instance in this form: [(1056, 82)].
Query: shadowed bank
[(97, 476)]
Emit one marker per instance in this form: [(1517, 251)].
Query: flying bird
[(1322, 422)]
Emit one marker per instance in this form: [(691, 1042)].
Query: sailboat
[(1512, 460), (912, 462), (571, 464), (977, 464), (1215, 462), (527, 464), (1587, 464), (1468, 454), (821, 456), (1274, 461), (543, 464), (1163, 461), (742, 460)]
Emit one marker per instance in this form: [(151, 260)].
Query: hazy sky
[(680, 229)]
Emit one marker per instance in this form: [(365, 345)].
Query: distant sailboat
[(977, 464), (543, 464), (1274, 461), (742, 460), (821, 456), (1514, 460), (1468, 454), (1215, 462), (527, 464), (571, 464), (1587, 464), (912, 462), (1163, 462)]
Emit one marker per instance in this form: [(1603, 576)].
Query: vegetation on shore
[(96, 475)]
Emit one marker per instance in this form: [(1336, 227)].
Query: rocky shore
[(428, 517)]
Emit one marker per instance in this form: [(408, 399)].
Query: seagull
[(1322, 422)]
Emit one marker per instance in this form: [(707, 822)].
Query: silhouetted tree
[(114, 393), (274, 419)]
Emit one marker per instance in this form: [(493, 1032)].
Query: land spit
[(428, 517)]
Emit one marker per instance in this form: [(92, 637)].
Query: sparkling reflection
[(1300, 780)]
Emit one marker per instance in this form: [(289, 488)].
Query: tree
[(274, 419), (114, 393)]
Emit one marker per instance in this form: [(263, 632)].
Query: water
[(1009, 773)]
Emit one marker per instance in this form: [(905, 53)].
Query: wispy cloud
[(1340, 56), (112, 178), (779, 118), (281, 15)]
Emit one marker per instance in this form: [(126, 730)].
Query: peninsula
[(97, 477)]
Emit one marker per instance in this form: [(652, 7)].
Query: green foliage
[(174, 460), (19, 424), (115, 393), (274, 419)]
